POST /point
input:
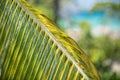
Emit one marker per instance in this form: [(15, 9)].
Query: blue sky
[(87, 4), (75, 6)]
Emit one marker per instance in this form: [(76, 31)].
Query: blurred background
[(94, 25)]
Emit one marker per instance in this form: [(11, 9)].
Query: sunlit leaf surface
[(32, 48)]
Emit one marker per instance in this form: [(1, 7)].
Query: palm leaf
[(31, 47)]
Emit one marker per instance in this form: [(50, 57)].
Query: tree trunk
[(56, 9)]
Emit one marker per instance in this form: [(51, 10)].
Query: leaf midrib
[(43, 26)]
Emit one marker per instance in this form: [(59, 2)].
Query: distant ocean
[(96, 19)]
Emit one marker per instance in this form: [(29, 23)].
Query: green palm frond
[(32, 48)]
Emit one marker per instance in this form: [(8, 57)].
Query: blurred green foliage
[(100, 49), (108, 7)]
